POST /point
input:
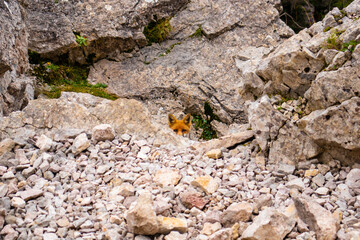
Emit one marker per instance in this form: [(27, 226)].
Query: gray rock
[(141, 217), (299, 148), (293, 73), (80, 143), (50, 236), (6, 146), (44, 143), (174, 235), (30, 194), (319, 180), (236, 212), (322, 191), (16, 90), (3, 189), (333, 129), (271, 224), (353, 179), (296, 183), (332, 87), (223, 234), (103, 132), (317, 218), (108, 27), (17, 202), (265, 121)]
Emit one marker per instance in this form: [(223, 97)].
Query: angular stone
[(269, 224), (291, 67), (143, 153), (214, 153), (30, 194), (210, 228), (206, 183), (17, 202), (226, 141), (292, 146), (103, 132), (44, 143), (50, 236), (6, 146), (317, 218), (353, 179), (174, 235), (80, 143), (141, 217), (265, 121), (167, 177), (8, 175), (193, 199), (63, 222), (168, 224), (223, 234), (236, 212), (319, 180), (332, 87), (3, 189), (125, 190), (296, 183), (322, 191), (334, 129), (311, 172)]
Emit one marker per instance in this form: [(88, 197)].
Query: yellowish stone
[(168, 224), (338, 215), (235, 231), (214, 153), (311, 172), (210, 228), (206, 183)]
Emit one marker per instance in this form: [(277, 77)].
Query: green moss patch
[(157, 31), (334, 42), (198, 33), (205, 123), (68, 78)]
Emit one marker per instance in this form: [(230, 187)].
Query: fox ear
[(172, 119), (187, 119)]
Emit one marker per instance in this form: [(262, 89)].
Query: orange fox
[(180, 127)]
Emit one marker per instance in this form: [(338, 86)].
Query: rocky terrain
[(286, 107)]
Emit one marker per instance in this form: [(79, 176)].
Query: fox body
[(180, 127)]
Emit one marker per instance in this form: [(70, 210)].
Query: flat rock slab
[(226, 141), (30, 194)]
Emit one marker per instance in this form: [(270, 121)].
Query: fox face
[(180, 127)]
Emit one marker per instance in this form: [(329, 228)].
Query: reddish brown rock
[(193, 199)]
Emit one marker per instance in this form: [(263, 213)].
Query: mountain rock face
[(83, 167), (111, 27), (16, 89)]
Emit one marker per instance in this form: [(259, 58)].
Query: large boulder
[(269, 224), (333, 87), (110, 27), (277, 136), (319, 220), (265, 121), (83, 111), (292, 67), (336, 130)]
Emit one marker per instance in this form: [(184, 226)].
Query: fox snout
[(180, 127)]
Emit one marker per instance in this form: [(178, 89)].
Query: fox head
[(180, 127)]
